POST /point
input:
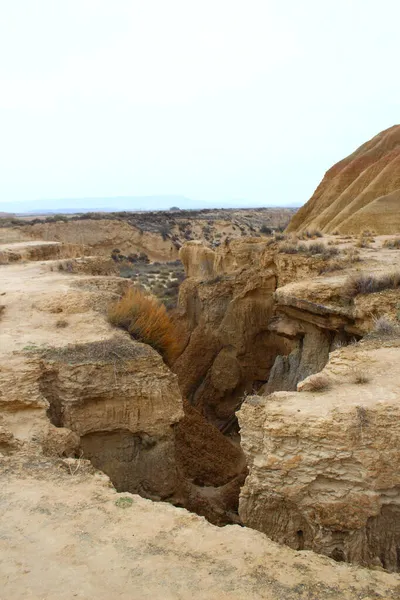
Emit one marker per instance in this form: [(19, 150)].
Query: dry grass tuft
[(393, 243), (318, 383), (61, 323), (370, 284), (312, 249), (352, 255), (360, 377), (147, 321), (384, 326), (336, 264), (365, 239)]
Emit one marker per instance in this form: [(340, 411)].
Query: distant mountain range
[(114, 204)]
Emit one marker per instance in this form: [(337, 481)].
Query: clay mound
[(362, 191)]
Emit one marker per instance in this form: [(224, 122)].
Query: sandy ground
[(65, 534), (35, 299)]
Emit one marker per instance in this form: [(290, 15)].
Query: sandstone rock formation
[(244, 329), (38, 250), (324, 462), (103, 236), (71, 385), (360, 192), (256, 316), (260, 319)]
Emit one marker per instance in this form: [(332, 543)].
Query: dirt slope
[(359, 192)]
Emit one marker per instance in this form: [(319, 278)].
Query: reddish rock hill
[(360, 192)]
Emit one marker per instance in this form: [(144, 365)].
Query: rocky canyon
[(262, 461)]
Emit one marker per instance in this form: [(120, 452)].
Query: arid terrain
[(159, 235), (258, 315), (360, 192), (199, 407)]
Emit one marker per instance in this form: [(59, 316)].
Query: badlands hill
[(360, 192)]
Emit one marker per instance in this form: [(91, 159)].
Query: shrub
[(61, 323), (317, 248), (333, 265), (317, 383), (370, 284), (289, 248), (359, 376), (393, 243), (165, 230), (147, 321), (352, 255), (266, 230), (383, 326), (365, 239), (311, 234), (310, 250)]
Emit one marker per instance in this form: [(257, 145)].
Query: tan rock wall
[(323, 465)]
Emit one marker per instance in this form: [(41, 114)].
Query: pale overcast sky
[(216, 100)]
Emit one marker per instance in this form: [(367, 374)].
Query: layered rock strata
[(71, 385), (245, 330), (323, 461), (360, 192)]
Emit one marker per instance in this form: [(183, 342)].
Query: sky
[(220, 101)]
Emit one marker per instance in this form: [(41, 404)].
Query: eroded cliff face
[(103, 236), (323, 463), (226, 308), (245, 330), (323, 460), (122, 401), (72, 386)]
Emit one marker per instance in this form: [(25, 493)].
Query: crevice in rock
[(189, 463)]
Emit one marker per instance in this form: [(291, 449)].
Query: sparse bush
[(66, 265), (266, 230), (317, 383), (365, 239), (289, 249), (370, 284), (384, 326), (61, 323), (310, 234), (147, 321), (317, 248), (393, 243), (359, 376), (352, 255), (333, 265), (165, 230), (173, 283)]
